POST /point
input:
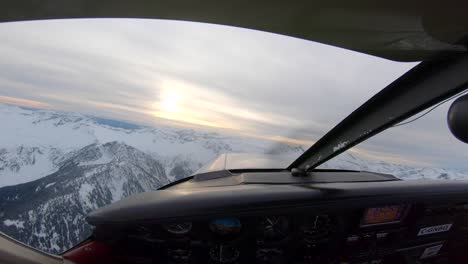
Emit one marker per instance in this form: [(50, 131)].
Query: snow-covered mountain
[(49, 213), (34, 142), (55, 167), (351, 161)]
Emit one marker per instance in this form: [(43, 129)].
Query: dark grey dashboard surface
[(235, 217), (207, 198)]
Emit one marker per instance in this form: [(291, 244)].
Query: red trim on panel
[(91, 252)]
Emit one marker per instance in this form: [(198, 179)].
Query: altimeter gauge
[(274, 228)]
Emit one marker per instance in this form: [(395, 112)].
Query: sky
[(210, 77)]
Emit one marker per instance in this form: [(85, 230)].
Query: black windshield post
[(423, 86)]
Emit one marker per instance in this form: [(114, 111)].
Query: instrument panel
[(393, 233), (332, 222), (265, 239)]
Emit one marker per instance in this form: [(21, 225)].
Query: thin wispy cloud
[(22, 102)]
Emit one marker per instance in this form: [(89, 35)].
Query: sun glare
[(170, 101)]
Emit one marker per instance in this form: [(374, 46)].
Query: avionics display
[(383, 215)]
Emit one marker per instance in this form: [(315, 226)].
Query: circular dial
[(226, 226), (274, 227), (316, 227), (178, 228), (224, 254)]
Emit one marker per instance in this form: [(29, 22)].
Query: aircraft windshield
[(95, 110)]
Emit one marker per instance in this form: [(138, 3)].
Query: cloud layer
[(200, 75)]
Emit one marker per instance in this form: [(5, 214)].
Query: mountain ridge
[(41, 213), (49, 135)]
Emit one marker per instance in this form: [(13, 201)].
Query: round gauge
[(316, 227), (274, 227), (178, 228), (224, 254), (226, 226)]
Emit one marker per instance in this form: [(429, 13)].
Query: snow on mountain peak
[(35, 142)]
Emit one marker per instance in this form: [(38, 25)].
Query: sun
[(170, 101), (182, 102)]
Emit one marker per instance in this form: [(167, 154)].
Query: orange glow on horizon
[(22, 101)]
